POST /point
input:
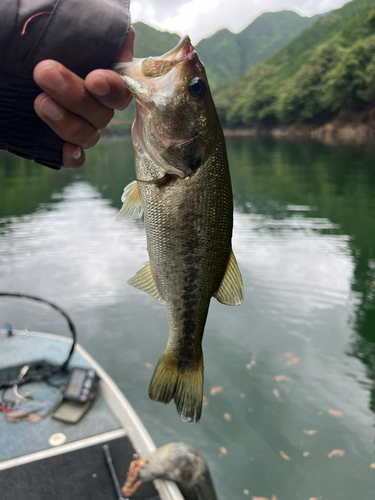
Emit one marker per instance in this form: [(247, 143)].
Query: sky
[(202, 18)]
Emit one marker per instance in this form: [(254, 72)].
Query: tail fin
[(182, 384)]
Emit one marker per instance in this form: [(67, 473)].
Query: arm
[(82, 35)]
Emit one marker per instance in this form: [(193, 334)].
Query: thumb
[(106, 85), (127, 51)]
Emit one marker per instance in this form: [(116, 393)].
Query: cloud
[(201, 18), (159, 10)]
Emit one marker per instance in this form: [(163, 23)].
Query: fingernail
[(99, 86), (50, 78), (77, 153), (51, 110)]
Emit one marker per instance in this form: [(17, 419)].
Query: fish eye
[(197, 87)]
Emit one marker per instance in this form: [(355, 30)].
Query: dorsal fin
[(144, 280), (132, 207), (230, 291)]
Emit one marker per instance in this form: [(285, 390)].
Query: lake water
[(298, 355)]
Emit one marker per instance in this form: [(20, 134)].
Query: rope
[(130, 486)]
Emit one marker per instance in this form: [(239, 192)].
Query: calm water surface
[(304, 238)]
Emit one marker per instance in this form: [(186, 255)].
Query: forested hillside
[(226, 55), (152, 42), (328, 69)]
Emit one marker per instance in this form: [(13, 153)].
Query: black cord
[(55, 369)]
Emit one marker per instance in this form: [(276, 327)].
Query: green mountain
[(152, 42), (327, 69), (227, 55)]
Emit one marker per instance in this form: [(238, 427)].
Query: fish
[(183, 188)]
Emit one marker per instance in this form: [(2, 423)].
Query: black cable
[(56, 369)]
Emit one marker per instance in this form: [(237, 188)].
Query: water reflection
[(304, 238), (339, 186)]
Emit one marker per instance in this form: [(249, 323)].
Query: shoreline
[(355, 129)]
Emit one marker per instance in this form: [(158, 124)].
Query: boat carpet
[(78, 475)]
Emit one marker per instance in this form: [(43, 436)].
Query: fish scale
[(184, 187)]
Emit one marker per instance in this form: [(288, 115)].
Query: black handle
[(109, 461)]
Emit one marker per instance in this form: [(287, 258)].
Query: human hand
[(77, 109)]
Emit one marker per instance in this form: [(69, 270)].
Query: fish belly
[(189, 226)]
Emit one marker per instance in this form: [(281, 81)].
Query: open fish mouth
[(153, 67), (137, 72), (184, 50), (168, 124), (157, 76)]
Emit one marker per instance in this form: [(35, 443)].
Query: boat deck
[(78, 475), (21, 438), (30, 467)]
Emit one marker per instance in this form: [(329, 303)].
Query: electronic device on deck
[(78, 394)]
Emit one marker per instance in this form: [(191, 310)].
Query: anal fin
[(230, 291), (144, 281), (132, 202)]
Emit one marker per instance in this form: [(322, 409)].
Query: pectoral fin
[(144, 280), (230, 291), (132, 207)]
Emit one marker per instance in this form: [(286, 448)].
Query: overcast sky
[(201, 18)]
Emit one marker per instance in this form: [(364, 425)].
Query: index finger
[(69, 90), (107, 86), (127, 52)]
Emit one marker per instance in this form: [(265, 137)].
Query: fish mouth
[(153, 67), (149, 80), (184, 50), (136, 74)]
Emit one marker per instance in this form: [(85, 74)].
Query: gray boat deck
[(21, 438), (29, 466)]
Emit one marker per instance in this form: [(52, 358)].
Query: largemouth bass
[(184, 189)]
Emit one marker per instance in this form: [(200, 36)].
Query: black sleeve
[(83, 35)]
